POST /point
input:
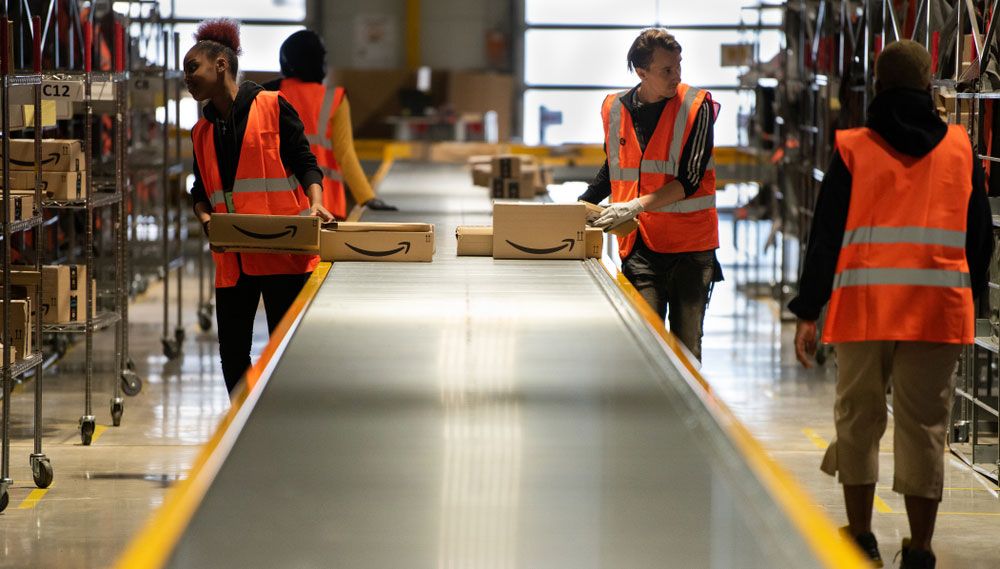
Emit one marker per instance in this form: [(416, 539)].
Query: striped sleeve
[(698, 151)]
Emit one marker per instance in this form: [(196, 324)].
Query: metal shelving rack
[(41, 466)]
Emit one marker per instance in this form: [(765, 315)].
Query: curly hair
[(220, 37)]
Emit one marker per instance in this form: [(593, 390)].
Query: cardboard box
[(538, 231), (61, 186), (482, 174), (22, 207), (474, 240), (623, 230), (20, 326), (512, 188), (58, 155), (382, 242), (64, 290), (595, 242), (24, 283), (13, 354), (506, 166), (477, 241), (265, 233)]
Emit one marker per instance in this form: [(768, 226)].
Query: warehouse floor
[(101, 494)]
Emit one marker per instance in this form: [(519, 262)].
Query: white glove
[(618, 213)]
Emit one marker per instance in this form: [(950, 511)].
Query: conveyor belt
[(478, 413)]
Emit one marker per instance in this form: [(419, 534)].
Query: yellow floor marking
[(98, 431), (32, 500), (881, 507), (817, 440)]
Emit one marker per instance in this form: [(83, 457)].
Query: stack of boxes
[(23, 311), (63, 175), (510, 176)]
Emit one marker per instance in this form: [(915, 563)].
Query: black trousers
[(235, 309), (681, 282)]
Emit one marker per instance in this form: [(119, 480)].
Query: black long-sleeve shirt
[(695, 155), (296, 156), (902, 126)]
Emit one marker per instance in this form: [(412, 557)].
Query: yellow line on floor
[(881, 507), (32, 500), (817, 440), (98, 431)]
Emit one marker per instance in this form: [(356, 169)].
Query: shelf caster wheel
[(117, 408), (130, 363), (171, 348), (87, 426), (205, 318), (179, 335), (131, 383), (4, 499), (41, 471)]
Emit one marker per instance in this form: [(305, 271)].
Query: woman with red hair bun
[(251, 155)]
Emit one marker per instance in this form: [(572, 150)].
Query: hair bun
[(223, 31)]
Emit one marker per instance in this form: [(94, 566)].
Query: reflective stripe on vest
[(670, 166), (915, 235), (325, 112), (332, 174), (903, 277), (689, 205)]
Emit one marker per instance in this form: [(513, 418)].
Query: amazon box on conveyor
[(249, 233), (58, 155), (539, 231), (477, 241), (381, 242)]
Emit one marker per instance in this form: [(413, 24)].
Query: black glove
[(377, 204)]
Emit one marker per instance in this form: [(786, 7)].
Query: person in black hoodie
[(903, 234), (228, 185)]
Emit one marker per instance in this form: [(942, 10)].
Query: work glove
[(377, 204), (617, 214)]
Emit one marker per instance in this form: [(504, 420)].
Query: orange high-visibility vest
[(691, 224), (902, 274), (262, 186), (316, 104)]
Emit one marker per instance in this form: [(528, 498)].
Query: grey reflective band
[(319, 140), (689, 205), (304, 212), (265, 185), (915, 235), (677, 142), (324, 115), (908, 277), (615, 171), (331, 174), (218, 197), (659, 167)]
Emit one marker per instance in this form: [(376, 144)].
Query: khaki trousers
[(922, 376)]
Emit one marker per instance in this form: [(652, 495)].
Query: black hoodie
[(295, 154), (906, 119)]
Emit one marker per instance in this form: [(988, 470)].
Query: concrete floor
[(102, 494)]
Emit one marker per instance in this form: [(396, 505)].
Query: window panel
[(259, 53), (581, 116), (595, 12), (292, 10)]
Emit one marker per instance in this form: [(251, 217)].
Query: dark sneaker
[(916, 558), (868, 545)]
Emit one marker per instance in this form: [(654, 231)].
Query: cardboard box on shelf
[(477, 241), (24, 282), (13, 354), (382, 242), (20, 326), (22, 206), (64, 290), (538, 231), (594, 211), (58, 155), (474, 240), (237, 232)]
